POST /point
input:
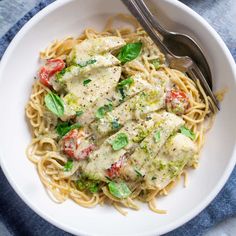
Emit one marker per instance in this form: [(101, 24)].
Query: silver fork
[(182, 63), (186, 45)]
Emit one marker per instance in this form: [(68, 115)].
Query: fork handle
[(148, 14), (147, 25)]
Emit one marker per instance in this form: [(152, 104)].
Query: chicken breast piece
[(177, 152), (143, 103), (113, 96), (78, 71), (82, 96), (91, 47), (167, 125)]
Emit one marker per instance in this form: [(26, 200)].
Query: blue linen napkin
[(19, 219)]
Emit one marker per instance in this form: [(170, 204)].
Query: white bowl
[(18, 67)]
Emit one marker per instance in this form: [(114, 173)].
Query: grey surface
[(12, 10), (221, 14)]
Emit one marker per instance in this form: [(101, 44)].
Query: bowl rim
[(183, 219)]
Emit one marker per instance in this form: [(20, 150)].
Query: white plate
[(18, 67)]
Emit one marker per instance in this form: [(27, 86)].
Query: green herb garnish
[(54, 103), (139, 174), (157, 136), (94, 188), (187, 132), (120, 141), (87, 81), (119, 190), (142, 134), (129, 52), (68, 166), (108, 178), (156, 63), (63, 128), (101, 111), (115, 124), (79, 113), (122, 93), (61, 73), (89, 62), (125, 82), (84, 183), (123, 85)]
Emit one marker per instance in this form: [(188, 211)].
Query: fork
[(182, 63), (186, 45)]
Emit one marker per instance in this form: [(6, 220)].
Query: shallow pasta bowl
[(18, 68)]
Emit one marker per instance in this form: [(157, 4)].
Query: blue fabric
[(19, 219)]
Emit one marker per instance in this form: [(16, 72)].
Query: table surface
[(12, 10)]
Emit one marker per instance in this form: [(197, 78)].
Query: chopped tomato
[(114, 170), (71, 145), (86, 152), (51, 67), (44, 76), (70, 142), (55, 65), (177, 102)]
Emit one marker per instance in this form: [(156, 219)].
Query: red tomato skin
[(177, 102), (71, 143), (114, 170), (51, 67), (44, 77), (55, 65)]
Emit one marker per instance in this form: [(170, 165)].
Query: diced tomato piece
[(177, 101), (44, 76), (114, 170), (51, 67), (71, 144), (86, 152), (55, 65)]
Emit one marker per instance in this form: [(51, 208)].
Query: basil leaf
[(79, 113), (75, 126), (187, 132), (54, 103), (125, 82), (129, 52), (156, 63), (68, 166), (119, 190), (157, 136), (89, 62), (63, 128), (120, 141), (87, 81), (101, 112), (115, 124)]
